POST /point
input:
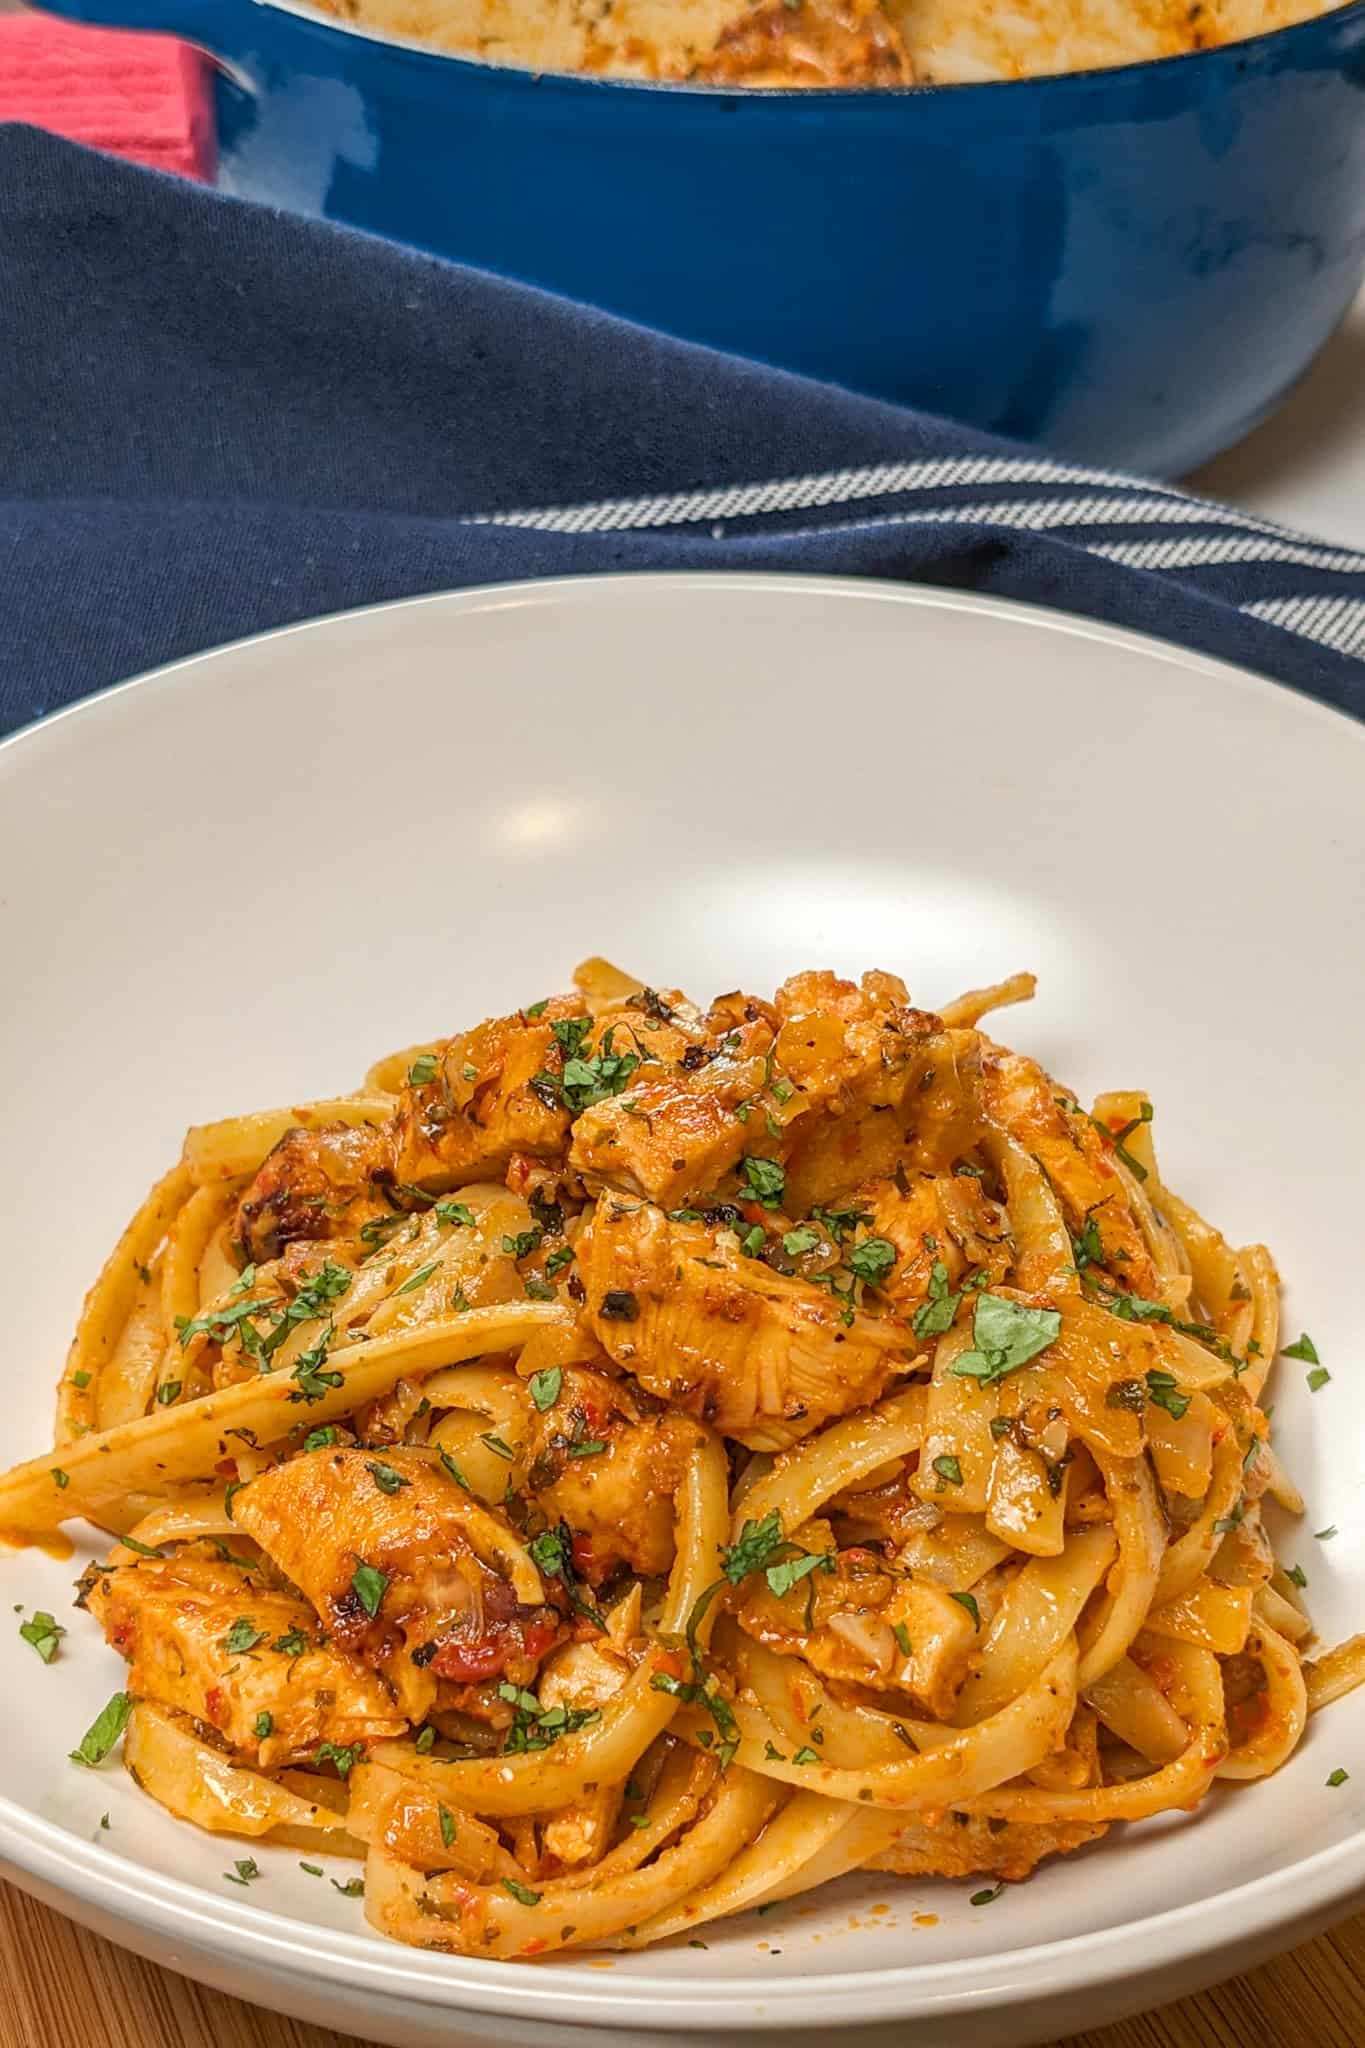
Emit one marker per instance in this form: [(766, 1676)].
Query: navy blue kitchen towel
[(215, 419)]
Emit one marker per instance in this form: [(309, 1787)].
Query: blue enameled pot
[(1129, 266)]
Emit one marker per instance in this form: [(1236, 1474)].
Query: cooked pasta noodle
[(634, 1463)]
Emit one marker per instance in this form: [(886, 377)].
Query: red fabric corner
[(141, 96)]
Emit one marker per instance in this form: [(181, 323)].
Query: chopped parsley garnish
[(552, 1554), (103, 1732), (81, 1380), (313, 1869), (377, 1230), (570, 1034), (453, 1469), (423, 1070), (416, 1280), (987, 1897), (265, 1726), (545, 1386), (523, 1894), (1325, 1535), (1088, 1248), (949, 1471), (619, 1306), (1305, 1349), (535, 1727), (1135, 1308), (755, 1547), (447, 1820), (716, 1705), (243, 1636), (1318, 1377), (1006, 1335), (319, 1439), (586, 1447), (935, 1315), (1225, 1524), (223, 1324), (840, 1223), (44, 1632), (385, 1478), (872, 1260), (60, 1479), (1296, 1576), (902, 1635), (243, 1870), (790, 1572), (558, 1260), (369, 1586), (584, 1082), (537, 1009), (968, 1601), (524, 1243), (426, 1741), (1116, 1138), (354, 1887), (1338, 1777), (312, 1383), (498, 1447), (344, 1757), (806, 1755), (1163, 1392), (753, 1241), (804, 1238), (291, 1645), (763, 1181), (458, 1213)]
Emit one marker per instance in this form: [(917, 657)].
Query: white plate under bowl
[(236, 881)]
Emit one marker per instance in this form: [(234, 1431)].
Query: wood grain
[(62, 1988)]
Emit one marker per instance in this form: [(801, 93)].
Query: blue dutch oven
[(1129, 266)]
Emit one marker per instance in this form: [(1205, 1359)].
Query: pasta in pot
[(632, 1463), (831, 43)]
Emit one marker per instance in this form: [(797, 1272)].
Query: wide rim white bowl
[(965, 634)]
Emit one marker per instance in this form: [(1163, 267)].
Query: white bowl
[(235, 882)]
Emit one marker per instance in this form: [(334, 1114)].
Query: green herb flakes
[(103, 1732), (44, 1633), (369, 1586)]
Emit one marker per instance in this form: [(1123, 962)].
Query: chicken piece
[(817, 42), (759, 1356), (676, 1132), (889, 1083), (315, 1184), (1074, 1154), (207, 1639), (583, 1678), (618, 1499), (379, 1544), (959, 1845), (941, 1226), (864, 1624), (496, 1092)]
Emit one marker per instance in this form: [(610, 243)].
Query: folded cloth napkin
[(217, 418), (147, 97)]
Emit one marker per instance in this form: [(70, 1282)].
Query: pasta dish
[(631, 1463), (823, 42)]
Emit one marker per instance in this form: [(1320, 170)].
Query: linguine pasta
[(631, 1463)]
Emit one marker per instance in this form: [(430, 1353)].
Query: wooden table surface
[(62, 1988)]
